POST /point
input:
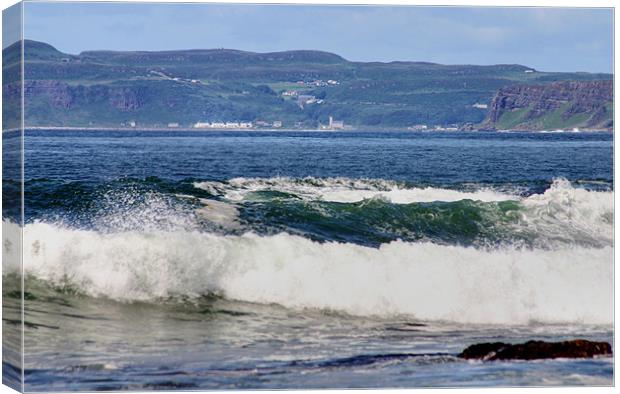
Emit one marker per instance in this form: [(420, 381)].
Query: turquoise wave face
[(377, 221)]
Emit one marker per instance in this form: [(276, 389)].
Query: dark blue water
[(438, 158)]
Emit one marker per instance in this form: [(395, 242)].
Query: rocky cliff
[(63, 95), (558, 105), (55, 101)]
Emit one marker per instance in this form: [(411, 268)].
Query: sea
[(211, 260)]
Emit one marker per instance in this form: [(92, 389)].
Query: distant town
[(296, 92), (333, 124), (238, 125)]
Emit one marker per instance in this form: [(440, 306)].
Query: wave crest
[(567, 212), (425, 280), (344, 190)]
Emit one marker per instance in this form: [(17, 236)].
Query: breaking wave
[(503, 284), (425, 280), (386, 211), (344, 190)]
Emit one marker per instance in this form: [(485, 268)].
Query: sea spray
[(583, 213)]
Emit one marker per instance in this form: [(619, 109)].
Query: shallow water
[(305, 260), (83, 343)]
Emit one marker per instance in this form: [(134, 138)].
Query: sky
[(548, 39), (11, 25)]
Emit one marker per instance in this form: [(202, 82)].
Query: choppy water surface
[(298, 260)]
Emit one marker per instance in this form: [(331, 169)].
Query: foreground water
[(299, 260)]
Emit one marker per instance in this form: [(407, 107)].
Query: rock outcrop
[(534, 350), (562, 105)]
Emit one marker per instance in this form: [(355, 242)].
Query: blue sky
[(553, 39), (11, 25)]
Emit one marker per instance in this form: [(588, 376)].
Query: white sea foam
[(563, 210), (220, 213), (425, 280), (345, 190), (562, 283)]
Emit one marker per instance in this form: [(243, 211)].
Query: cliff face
[(558, 105), (56, 102), (63, 95)]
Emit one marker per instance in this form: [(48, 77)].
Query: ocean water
[(271, 260)]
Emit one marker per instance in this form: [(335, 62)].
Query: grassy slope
[(511, 119), (555, 120)]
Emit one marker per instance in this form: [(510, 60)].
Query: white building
[(418, 127), (305, 99), (335, 124), (441, 128)]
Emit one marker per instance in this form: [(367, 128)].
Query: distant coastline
[(214, 88), (356, 129)]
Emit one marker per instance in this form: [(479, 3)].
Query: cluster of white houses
[(423, 127), (333, 125), (223, 125), (306, 99), (319, 82), (276, 124), (236, 125)]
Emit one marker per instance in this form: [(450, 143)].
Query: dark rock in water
[(533, 350), (483, 351)]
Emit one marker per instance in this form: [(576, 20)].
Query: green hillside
[(110, 88)]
